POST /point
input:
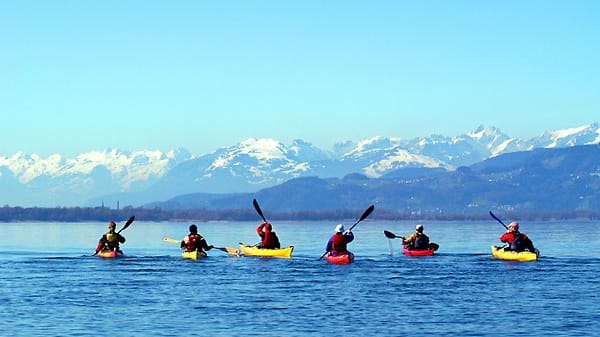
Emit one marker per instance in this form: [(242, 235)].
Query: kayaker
[(195, 241), (516, 240), (338, 242), (110, 240), (419, 240), (268, 237)]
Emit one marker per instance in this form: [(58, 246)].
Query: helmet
[(268, 227), (193, 229), (514, 226), (419, 228), (339, 228)]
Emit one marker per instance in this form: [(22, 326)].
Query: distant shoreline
[(82, 214)]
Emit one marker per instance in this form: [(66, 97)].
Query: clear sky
[(77, 76)]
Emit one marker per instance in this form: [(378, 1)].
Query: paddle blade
[(389, 235), (130, 220), (363, 216), (367, 212), (258, 210), (127, 224), (170, 240), (233, 251)]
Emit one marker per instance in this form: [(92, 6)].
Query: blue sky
[(77, 76)]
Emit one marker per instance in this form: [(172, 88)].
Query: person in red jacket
[(195, 241), (268, 237), (338, 242), (516, 240)]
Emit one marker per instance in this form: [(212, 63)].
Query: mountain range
[(563, 181), (263, 166)]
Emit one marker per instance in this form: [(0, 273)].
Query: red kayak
[(417, 252), (343, 258), (110, 254)]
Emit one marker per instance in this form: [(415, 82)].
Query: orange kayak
[(110, 254)]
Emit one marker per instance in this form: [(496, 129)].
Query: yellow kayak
[(264, 252), (194, 255), (511, 255)]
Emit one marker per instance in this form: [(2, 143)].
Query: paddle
[(391, 235), (127, 224), (365, 214), (228, 250), (170, 240), (502, 223), (497, 219), (258, 210)]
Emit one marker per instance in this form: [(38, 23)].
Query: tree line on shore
[(82, 214)]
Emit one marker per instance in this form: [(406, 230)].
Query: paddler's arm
[(329, 244), (205, 246)]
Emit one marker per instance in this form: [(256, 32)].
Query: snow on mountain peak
[(490, 137), (26, 168), (569, 132), (401, 158), (263, 148), (136, 166), (483, 131), (85, 163), (263, 159), (558, 135), (582, 135), (374, 144)]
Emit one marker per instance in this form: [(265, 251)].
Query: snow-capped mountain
[(31, 180), (251, 164), (139, 177), (583, 135)]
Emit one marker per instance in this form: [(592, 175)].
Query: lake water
[(50, 285)]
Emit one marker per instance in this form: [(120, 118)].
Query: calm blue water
[(50, 285)]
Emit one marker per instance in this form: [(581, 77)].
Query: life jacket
[(269, 240), (519, 243), (338, 243), (193, 242), (421, 242), (111, 241)]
